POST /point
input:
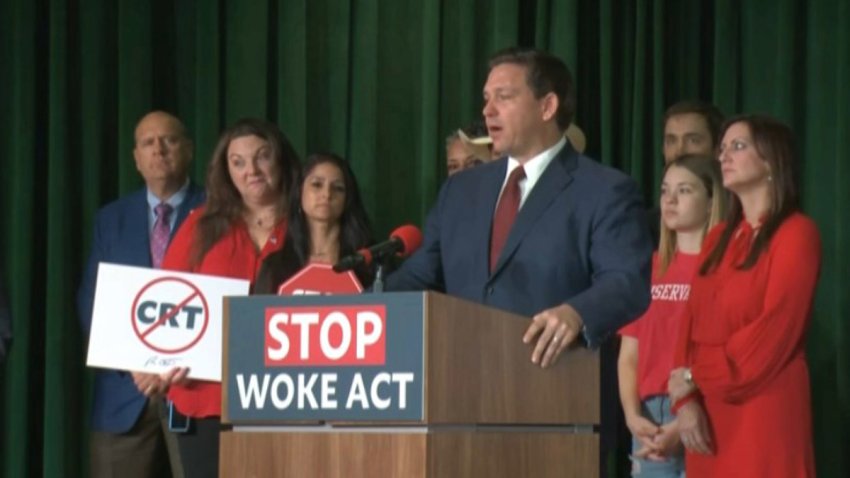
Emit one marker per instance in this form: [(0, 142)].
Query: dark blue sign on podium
[(330, 358)]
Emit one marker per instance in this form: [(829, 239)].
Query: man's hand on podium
[(556, 329)]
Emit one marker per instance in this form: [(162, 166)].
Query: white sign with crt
[(152, 320)]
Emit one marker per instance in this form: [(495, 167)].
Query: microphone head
[(410, 237)]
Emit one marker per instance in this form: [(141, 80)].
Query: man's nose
[(488, 109)]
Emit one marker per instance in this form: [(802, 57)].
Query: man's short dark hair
[(545, 73), (712, 116)]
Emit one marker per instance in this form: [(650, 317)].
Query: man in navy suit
[(130, 435), (576, 255), (545, 232)]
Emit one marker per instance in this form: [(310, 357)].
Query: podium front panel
[(350, 358)]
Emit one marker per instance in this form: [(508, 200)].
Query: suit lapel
[(485, 199), (552, 182), (138, 233)]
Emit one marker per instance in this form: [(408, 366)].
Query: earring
[(769, 178)]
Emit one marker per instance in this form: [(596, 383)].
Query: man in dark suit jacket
[(128, 419), (577, 257)]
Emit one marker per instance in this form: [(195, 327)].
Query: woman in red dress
[(741, 384)]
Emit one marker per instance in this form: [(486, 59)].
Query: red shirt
[(234, 255), (658, 328), (743, 335)]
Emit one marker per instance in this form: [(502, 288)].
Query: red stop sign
[(320, 279)]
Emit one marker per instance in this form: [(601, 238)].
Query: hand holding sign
[(175, 376), (149, 384)]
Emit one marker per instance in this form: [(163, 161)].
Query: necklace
[(261, 221)]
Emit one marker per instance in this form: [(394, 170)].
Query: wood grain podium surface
[(443, 454), (479, 372)]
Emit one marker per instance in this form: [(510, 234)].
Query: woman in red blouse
[(249, 177), (741, 386)]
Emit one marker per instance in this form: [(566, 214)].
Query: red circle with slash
[(182, 293)]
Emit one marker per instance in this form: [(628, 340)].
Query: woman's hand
[(693, 428), (677, 386), (666, 443), (644, 430)]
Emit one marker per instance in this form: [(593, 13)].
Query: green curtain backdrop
[(380, 82)]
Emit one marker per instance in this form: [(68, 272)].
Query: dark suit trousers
[(199, 448), (143, 452)]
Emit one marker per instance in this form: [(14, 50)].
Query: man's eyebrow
[(500, 88)]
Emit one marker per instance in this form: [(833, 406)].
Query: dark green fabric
[(382, 83)]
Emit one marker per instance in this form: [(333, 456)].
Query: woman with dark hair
[(327, 222), (741, 386), (243, 221)]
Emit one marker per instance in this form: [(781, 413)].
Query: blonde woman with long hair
[(692, 201)]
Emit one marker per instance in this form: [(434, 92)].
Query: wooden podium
[(485, 409)]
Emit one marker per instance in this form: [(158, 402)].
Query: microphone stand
[(382, 261), (378, 284)]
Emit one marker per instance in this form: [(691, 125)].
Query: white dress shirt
[(534, 168)]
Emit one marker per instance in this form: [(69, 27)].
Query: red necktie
[(160, 234), (505, 214)]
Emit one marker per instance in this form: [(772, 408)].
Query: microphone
[(403, 241)]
